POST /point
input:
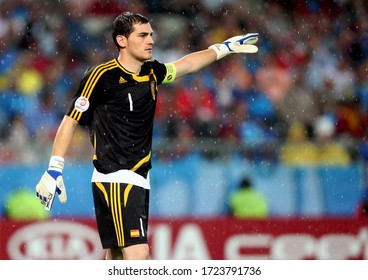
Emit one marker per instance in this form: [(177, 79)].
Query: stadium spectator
[(247, 202), (22, 205), (299, 104), (298, 150), (273, 79), (330, 151)]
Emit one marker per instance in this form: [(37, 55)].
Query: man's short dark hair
[(123, 24)]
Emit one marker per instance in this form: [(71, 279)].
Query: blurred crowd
[(302, 99)]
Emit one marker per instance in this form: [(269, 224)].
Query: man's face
[(140, 42)]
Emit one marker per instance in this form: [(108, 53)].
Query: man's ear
[(122, 41)]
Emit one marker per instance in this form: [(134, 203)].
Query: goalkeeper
[(117, 101)]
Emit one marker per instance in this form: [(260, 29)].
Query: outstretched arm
[(195, 61)]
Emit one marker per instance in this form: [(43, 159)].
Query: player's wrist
[(221, 50), (56, 163)]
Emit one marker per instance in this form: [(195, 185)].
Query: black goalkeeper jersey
[(118, 107)]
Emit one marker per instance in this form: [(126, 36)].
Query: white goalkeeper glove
[(237, 44), (51, 183)]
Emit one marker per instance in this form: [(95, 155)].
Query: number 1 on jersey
[(130, 101)]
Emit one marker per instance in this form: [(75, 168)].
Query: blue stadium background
[(194, 187)]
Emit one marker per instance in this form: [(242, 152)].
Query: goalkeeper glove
[(51, 183), (237, 44)]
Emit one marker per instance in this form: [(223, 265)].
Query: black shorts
[(121, 214)]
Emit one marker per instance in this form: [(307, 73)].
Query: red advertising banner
[(202, 239)]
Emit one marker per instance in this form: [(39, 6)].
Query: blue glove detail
[(243, 41), (237, 44), (54, 174), (51, 183)]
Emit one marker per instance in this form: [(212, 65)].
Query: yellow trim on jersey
[(135, 76), (140, 78), (155, 78), (170, 73), (141, 162), (94, 146), (117, 215), (91, 83), (94, 77), (102, 189), (126, 193)]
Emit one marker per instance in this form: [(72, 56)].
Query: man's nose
[(151, 41)]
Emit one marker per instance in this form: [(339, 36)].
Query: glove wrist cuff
[(56, 163), (220, 49)]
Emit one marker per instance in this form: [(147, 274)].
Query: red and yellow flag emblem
[(134, 233)]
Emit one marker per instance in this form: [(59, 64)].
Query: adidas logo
[(122, 80)]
